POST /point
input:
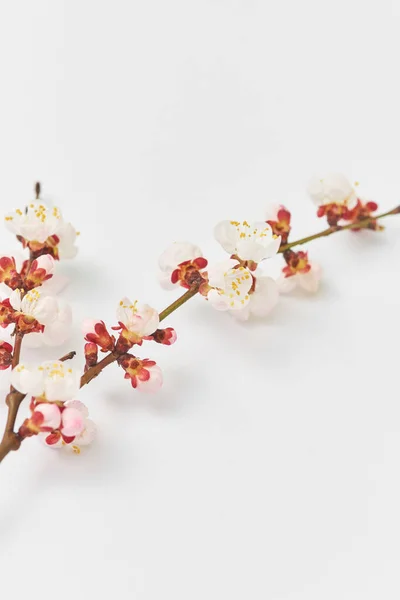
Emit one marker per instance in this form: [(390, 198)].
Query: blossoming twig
[(235, 285), (11, 440)]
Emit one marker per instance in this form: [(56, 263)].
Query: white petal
[(126, 310), (333, 188), (55, 285), (61, 382), (46, 309), (165, 281), (15, 299), (227, 234), (73, 422), (176, 254), (242, 314), (286, 284), (315, 190), (337, 187), (83, 409), (66, 246), (88, 434), (154, 383), (33, 340), (28, 380), (51, 414), (217, 301), (265, 297), (216, 272), (150, 317), (310, 281), (46, 262), (271, 214)]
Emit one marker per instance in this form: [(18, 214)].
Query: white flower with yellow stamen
[(332, 189), (35, 223), (139, 319), (230, 285), (52, 380), (36, 305), (262, 301), (56, 332), (248, 241)]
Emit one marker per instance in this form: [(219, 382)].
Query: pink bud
[(72, 422)]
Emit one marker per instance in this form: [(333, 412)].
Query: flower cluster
[(136, 323), (43, 230), (338, 201), (236, 284), (58, 419)]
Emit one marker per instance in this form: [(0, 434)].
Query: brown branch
[(94, 371), (68, 356), (17, 349), (359, 225)]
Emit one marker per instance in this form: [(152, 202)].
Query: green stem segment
[(178, 303), (360, 225)]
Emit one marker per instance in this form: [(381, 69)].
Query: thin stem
[(17, 349), (359, 225), (11, 440), (68, 356), (94, 371), (175, 305)]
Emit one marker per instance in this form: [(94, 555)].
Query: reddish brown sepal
[(334, 213), (364, 211), (101, 337), (50, 246), (281, 226), (135, 368), (91, 355), (35, 276), (187, 273), (7, 313), (5, 355), (297, 262), (8, 273)]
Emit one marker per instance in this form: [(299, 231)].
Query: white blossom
[(52, 380), (262, 301), (230, 285), (332, 189), (172, 257), (248, 241)]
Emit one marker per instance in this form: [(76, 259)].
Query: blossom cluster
[(237, 284)]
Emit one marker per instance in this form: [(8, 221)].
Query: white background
[(268, 468)]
